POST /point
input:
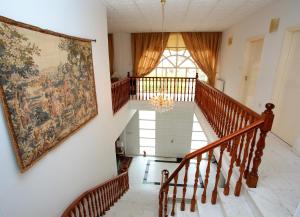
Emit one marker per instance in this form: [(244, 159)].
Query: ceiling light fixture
[(162, 102)]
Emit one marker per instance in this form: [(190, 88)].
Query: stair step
[(186, 213), (210, 210), (235, 206)]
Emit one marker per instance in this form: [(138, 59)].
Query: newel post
[(268, 116)]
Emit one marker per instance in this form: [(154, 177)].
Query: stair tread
[(210, 210), (235, 206), (185, 213)]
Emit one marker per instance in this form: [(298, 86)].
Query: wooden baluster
[(181, 91), (203, 198), (182, 206), (234, 123), (238, 160), (83, 208), (234, 147), (160, 204), (238, 185), (215, 191), (92, 203), (88, 205), (95, 203), (110, 194), (188, 89), (250, 154), (193, 202), (174, 195), (98, 194), (166, 194), (106, 198), (177, 89), (264, 129)]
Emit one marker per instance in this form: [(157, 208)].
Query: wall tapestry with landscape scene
[(47, 86)]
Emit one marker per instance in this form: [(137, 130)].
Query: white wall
[(122, 54), (232, 57), (173, 130), (86, 158)]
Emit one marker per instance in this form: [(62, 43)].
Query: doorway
[(287, 92), (252, 68)]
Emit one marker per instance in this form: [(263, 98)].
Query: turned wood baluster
[(238, 160), (238, 185), (182, 206), (166, 174), (264, 129), (250, 154), (224, 115), (234, 147), (88, 206), (203, 198), (235, 125), (94, 204), (215, 191), (174, 195), (83, 208), (231, 122), (98, 194), (193, 202)]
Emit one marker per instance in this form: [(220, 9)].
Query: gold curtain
[(111, 53), (204, 48), (147, 49)]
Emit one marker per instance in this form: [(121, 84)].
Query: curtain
[(111, 53), (204, 49), (147, 49)]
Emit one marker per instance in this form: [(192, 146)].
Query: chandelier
[(162, 102)]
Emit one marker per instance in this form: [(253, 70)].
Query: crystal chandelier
[(162, 102)]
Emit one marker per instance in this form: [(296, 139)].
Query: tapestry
[(47, 88)]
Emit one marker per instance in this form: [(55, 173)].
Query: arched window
[(176, 61)]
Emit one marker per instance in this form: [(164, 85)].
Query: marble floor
[(144, 177)]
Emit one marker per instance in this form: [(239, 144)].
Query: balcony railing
[(176, 88), (120, 94)]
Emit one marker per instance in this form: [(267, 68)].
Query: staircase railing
[(176, 88), (238, 129), (120, 93), (96, 201)]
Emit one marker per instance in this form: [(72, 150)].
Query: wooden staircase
[(241, 133)]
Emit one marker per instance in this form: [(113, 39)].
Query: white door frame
[(246, 63), (282, 73)]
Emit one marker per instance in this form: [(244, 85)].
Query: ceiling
[(181, 15)]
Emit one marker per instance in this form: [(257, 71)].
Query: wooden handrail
[(120, 91), (209, 147), (237, 126), (232, 99), (99, 199)]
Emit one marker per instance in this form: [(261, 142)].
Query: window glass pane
[(181, 59), (181, 72), (147, 124), (159, 72), (152, 74), (165, 63), (191, 73), (147, 133), (197, 126), (148, 150), (171, 72), (188, 64), (198, 144), (182, 52), (147, 115), (198, 136), (173, 51), (147, 142)]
